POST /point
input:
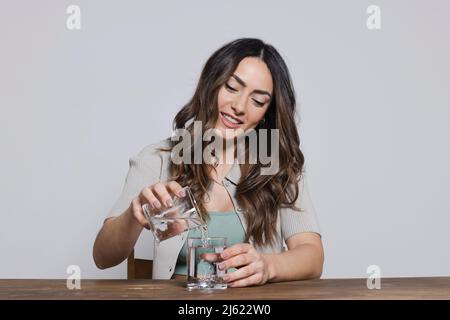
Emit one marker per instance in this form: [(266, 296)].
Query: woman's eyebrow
[(242, 83)]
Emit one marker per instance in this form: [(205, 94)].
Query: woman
[(245, 85)]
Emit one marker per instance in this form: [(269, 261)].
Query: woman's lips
[(228, 123)]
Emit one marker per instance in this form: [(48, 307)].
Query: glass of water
[(168, 222), (203, 257)]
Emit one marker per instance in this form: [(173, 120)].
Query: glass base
[(206, 285)]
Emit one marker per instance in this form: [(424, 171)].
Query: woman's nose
[(239, 106)]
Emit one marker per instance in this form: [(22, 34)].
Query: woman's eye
[(259, 103), (230, 87)]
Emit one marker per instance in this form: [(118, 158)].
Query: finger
[(139, 214), (254, 279), (240, 273), (176, 189), (210, 257), (236, 261), (171, 231), (149, 197), (177, 226), (163, 195), (235, 250)]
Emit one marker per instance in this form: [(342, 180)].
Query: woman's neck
[(219, 172), (227, 154)]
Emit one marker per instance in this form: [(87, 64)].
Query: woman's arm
[(303, 260), (116, 239)]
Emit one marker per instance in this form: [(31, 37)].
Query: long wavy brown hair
[(259, 196)]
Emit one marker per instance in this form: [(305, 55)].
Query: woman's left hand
[(252, 266)]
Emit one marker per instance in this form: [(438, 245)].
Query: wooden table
[(391, 288)]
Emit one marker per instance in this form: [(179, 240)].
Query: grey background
[(374, 112)]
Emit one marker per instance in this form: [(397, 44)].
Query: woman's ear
[(262, 122)]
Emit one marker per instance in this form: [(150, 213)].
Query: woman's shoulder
[(152, 159), (156, 148)]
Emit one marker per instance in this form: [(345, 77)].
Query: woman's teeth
[(232, 120)]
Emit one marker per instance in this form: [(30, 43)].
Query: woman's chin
[(228, 133)]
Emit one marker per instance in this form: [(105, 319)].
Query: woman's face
[(245, 97)]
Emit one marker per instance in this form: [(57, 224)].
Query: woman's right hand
[(157, 196)]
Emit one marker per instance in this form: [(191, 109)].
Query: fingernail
[(156, 204), (226, 278), (182, 193), (169, 203), (221, 266), (223, 255)]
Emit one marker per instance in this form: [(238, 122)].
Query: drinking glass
[(168, 222), (203, 257)]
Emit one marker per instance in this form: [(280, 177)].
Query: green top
[(220, 224)]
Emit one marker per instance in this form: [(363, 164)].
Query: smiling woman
[(242, 89), (245, 85)]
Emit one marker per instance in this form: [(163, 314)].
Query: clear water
[(202, 260), (203, 272), (173, 222), (204, 231)]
